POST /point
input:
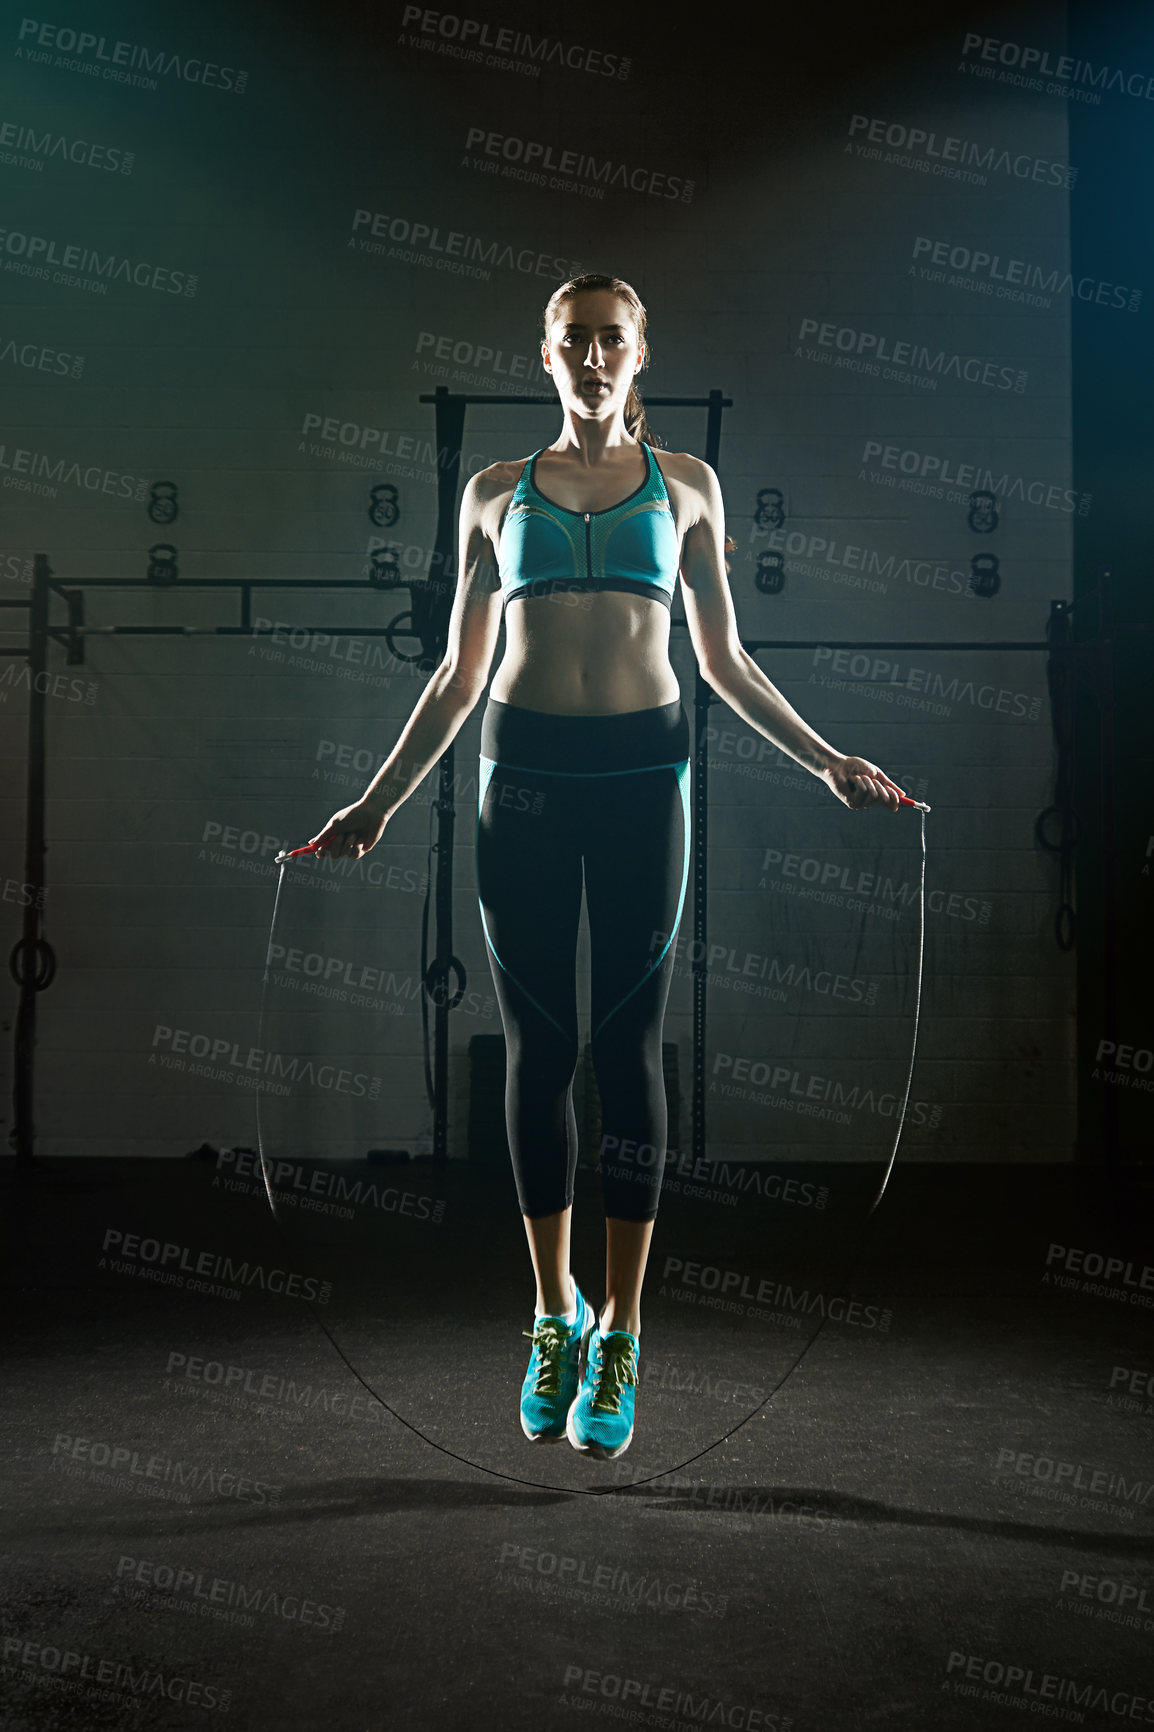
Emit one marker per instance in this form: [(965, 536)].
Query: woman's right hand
[(351, 832)]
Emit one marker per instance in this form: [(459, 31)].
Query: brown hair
[(635, 421)]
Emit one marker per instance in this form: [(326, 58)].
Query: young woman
[(585, 750)]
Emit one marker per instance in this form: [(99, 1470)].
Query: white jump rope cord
[(602, 1491)]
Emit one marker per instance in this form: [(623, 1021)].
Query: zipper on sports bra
[(588, 550)]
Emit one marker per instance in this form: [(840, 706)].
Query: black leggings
[(611, 792)]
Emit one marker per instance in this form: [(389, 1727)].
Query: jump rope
[(282, 860)]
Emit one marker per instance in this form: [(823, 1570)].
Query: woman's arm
[(732, 671), (451, 694)]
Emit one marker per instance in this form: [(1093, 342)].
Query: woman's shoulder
[(683, 467), (500, 477), (495, 482)]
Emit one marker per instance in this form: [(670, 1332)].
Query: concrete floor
[(946, 1522)]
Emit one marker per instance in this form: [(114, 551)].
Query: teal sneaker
[(554, 1374), (600, 1421)]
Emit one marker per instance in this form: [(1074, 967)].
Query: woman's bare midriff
[(586, 655), (599, 654)]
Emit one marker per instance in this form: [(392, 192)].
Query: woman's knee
[(624, 1057), (551, 1063)]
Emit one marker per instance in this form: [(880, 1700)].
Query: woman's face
[(593, 353)]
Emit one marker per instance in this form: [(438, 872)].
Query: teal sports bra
[(631, 546)]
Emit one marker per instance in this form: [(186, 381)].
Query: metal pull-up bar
[(32, 962)]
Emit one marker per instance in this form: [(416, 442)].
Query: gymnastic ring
[(45, 962), (394, 630), (436, 976)]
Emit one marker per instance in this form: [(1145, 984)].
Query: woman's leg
[(529, 887), (635, 874), (626, 1254), (548, 1237)]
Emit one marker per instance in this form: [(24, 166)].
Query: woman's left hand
[(859, 784)]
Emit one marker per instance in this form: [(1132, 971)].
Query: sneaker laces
[(553, 1340), (616, 1369)]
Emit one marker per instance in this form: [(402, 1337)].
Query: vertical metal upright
[(431, 622), (28, 951)]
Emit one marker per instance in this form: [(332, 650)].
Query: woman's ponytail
[(635, 417)]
